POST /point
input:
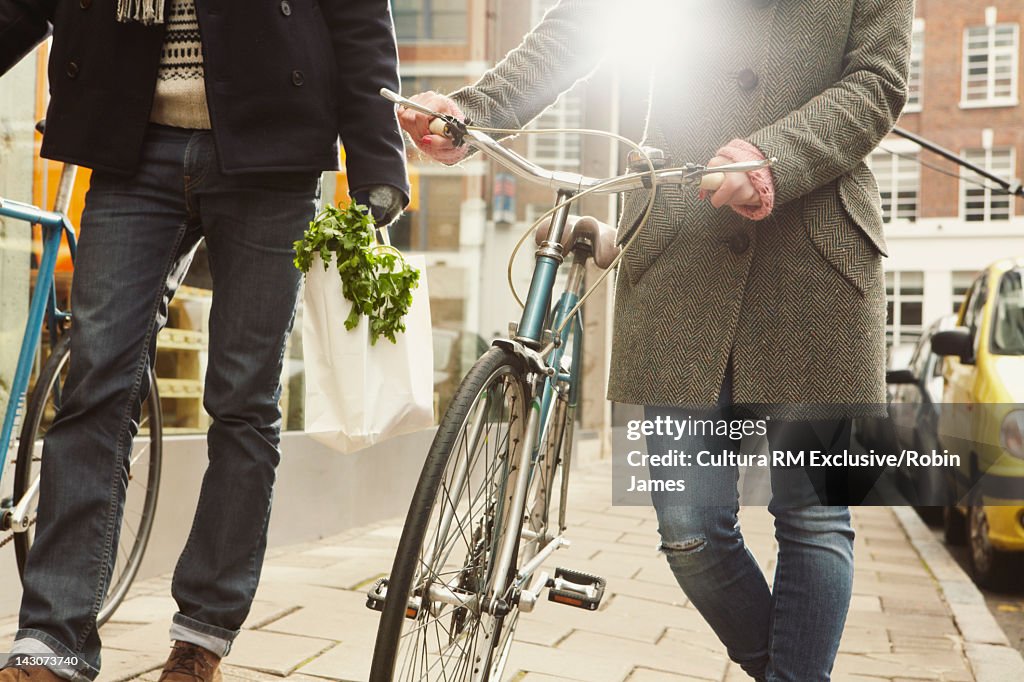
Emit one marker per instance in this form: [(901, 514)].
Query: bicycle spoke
[(456, 551)]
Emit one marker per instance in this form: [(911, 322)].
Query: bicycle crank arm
[(526, 571), (19, 521), (529, 597)]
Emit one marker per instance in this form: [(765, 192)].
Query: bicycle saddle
[(600, 235)]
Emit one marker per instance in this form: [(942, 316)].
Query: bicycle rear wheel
[(143, 473), (432, 624)]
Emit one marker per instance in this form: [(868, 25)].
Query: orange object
[(46, 174)]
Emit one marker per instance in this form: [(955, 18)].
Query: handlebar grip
[(439, 127), (712, 181)]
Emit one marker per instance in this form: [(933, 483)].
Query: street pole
[(1011, 187)]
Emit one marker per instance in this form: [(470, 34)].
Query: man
[(209, 119), (769, 294)]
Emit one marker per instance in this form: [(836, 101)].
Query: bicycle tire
[(492, 366), (28, 447)]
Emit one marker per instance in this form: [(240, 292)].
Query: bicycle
[(478, 528), (28, 416)]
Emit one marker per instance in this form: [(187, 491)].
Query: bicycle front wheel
[(434, 625), (143, 473)]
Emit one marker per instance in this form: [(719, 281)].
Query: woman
[(769, 295)]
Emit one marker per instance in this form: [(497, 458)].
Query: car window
[(974, 304), (1008, 317)]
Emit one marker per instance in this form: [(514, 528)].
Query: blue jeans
[(790, 633), (138, 235)]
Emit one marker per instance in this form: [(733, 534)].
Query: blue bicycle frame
[(42, 307)]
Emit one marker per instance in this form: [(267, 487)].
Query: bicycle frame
[(55, 226), (543, 400), (545, 397)]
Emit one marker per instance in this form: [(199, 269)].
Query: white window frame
[(562, 151), (895, 330), (987, 165), (957, 297), (889, 150), (915, 97), (1012, 52), (559, 151)]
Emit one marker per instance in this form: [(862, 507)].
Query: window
[(434, 226), (1008, 322), (979, 199), (559, 150), (990, 65), (974, 308), (905, 320), (914, 80), (439, 20), (899, 181), (961, 285)]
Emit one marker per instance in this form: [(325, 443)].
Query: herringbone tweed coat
[(797, 299)]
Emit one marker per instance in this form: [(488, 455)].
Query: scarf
[(146, 12)]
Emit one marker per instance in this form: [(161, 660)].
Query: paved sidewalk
[(309, 622)]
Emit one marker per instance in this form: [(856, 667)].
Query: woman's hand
[(751, 194), (736, 190), (437, 147)]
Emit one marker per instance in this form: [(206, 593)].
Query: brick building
[(945, 224)]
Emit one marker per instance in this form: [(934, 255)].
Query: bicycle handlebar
[(463, 132)]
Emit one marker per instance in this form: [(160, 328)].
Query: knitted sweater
[(180, 99)]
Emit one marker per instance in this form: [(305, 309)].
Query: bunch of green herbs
[(376, 279)]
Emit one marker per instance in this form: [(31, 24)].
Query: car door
[(956, 417)]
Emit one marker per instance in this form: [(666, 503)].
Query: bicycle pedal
[(378, 594), (575, 588)]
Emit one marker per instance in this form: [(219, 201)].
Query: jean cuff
[(210, 637), (70, 666)]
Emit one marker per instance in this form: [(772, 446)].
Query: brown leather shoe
[(188, 663), (16, 673)]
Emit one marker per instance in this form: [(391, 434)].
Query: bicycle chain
[(7, 540)]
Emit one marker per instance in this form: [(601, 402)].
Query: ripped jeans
[(789, 633)]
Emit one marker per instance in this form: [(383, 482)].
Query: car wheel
[(954, 526), (990, 568)]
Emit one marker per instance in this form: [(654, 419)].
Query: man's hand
[(384, 201), (437, 147)]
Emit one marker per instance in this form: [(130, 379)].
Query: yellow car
[(982, 422)]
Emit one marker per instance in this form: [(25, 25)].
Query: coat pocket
[(846, 235), (655, 236), (859, 195)]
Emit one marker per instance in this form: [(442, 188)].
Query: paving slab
[(913, 616)]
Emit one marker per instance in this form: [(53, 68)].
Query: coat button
[(739, 243), (747, 79), (72, 70), (85, 4), (286, 8), (297, 78)]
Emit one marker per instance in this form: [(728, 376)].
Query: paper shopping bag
[(358, 394)]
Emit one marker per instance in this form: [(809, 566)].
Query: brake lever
[(445, 125)]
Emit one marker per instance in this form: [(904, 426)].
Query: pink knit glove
[(739, 151)]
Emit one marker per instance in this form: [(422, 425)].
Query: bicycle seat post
[(65, 188)]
